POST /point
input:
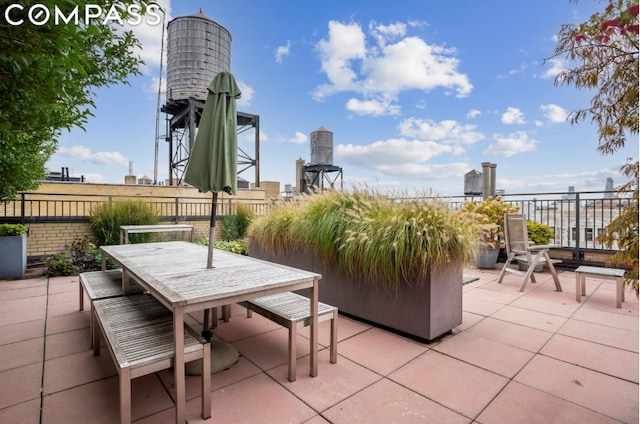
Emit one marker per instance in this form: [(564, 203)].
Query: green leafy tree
[(603, 53), (48, 77)]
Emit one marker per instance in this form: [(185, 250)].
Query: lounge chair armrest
[(542, 247)]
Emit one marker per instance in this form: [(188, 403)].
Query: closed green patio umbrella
[(213, 160)]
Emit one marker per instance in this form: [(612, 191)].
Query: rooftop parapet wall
[(57, 212)]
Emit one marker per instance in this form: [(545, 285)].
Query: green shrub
[(12, 229), (79, 256), (538, 233), (368, 235), (106, 219), (234, 227), (489, 217), (240, 247)]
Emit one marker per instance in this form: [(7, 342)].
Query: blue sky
[(416, 93)]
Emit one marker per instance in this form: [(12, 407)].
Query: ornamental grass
[(369, 235)]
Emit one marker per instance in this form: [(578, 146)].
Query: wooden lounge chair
[(518, 249)]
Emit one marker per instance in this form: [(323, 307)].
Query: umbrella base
[(223, 356)]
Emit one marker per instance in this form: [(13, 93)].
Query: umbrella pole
[(212, 230)]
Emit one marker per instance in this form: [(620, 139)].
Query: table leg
[(314, 329), (178, 366), (125, 282)]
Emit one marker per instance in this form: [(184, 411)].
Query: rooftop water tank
[(321, 147), (197, 49), (473, 183)]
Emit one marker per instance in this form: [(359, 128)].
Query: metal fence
[(42, 207), (576, 218)]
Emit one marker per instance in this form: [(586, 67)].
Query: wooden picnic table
[(175, 273), (125, 230)]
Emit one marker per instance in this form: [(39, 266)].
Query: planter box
[(486, 258), (424, 312), (13, 256)]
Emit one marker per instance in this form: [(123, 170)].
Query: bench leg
[(619, 292), (125, 395), (579, 290), (81, 300), (334, 338), (94, 332), (206, 382), (92, 324), (293, 332)]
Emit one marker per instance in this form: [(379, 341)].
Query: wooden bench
[(101, 285), (139, 333), (292, 310), (604, 273), (125, 230)]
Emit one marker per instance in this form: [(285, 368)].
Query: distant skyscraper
[(608, 189)]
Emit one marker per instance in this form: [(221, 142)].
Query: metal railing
[(61, 207), (576, 218)]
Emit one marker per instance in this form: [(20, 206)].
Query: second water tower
[(320, 171)]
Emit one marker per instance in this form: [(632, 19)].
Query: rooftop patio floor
[(532, 357)]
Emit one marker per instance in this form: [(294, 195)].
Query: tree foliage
[(48, 77), (604, 54)]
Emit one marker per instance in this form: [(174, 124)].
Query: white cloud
[(150, 37), (391, 152), (513, 116), (557, 66), (394, 63), (554, 113), (515, 143), (151, 87), (514, 71), (386, 33), (299, 138), (372, 107), (283, 51), (473, 113), (83, 153), (346, 42), (412, 64), (246, 96), (398, 157), (448, 131), (427, 171), (250, 136)]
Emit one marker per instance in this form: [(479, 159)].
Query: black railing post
[(576, 252), (22, 209), (177, 209)]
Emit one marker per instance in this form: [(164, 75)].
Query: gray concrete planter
[(13, 256), (429, 309), (486, 258)]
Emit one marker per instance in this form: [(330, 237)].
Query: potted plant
[(396, 264), (13, 250), (489, 217), (538, 234)]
